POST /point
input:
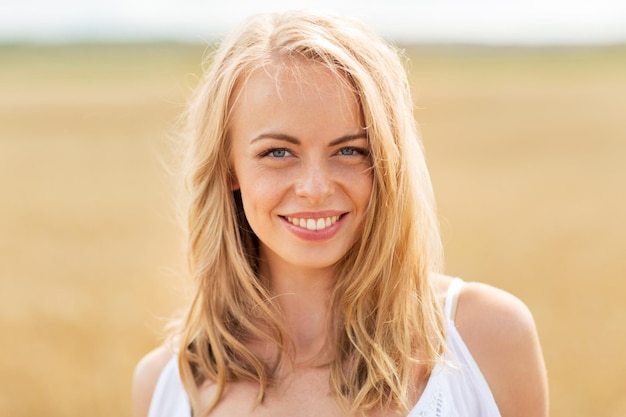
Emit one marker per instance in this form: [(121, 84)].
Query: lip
[(314, 214), (314, 235)]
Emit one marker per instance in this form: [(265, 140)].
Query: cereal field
[(527, 150)]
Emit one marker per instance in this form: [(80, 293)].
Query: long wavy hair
[(385, 315)]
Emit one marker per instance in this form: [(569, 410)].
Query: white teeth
[(313, 224)]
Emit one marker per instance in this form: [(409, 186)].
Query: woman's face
[(299, 155)]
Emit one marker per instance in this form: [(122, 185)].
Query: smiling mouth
[(313, 224)]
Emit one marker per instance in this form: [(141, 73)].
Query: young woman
[(314, 244)]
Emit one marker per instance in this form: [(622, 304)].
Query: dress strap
[(452, 298)]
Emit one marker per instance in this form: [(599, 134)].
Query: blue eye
[(351, 151), (275, 153)]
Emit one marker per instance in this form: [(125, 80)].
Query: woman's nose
[(315, 183)]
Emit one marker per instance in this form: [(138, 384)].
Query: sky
[(429, 21)]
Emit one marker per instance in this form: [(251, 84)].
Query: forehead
[(296, 79), (289, 94)]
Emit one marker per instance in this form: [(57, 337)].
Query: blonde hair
[(385, 314)]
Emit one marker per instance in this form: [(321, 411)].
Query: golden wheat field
[(527, 150)]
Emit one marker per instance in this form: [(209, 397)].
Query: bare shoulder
[(146, 375), (500, 332)]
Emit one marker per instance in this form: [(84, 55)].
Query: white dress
[(456, 387)]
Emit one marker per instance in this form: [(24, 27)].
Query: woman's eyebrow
[(279, 136), (348, 138)]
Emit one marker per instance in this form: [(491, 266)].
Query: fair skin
[(299, 158)]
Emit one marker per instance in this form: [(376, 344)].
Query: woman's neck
[(304, 299)]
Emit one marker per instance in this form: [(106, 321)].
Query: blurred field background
[(527, 150)]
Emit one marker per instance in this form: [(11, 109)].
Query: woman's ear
[(234, 183)]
